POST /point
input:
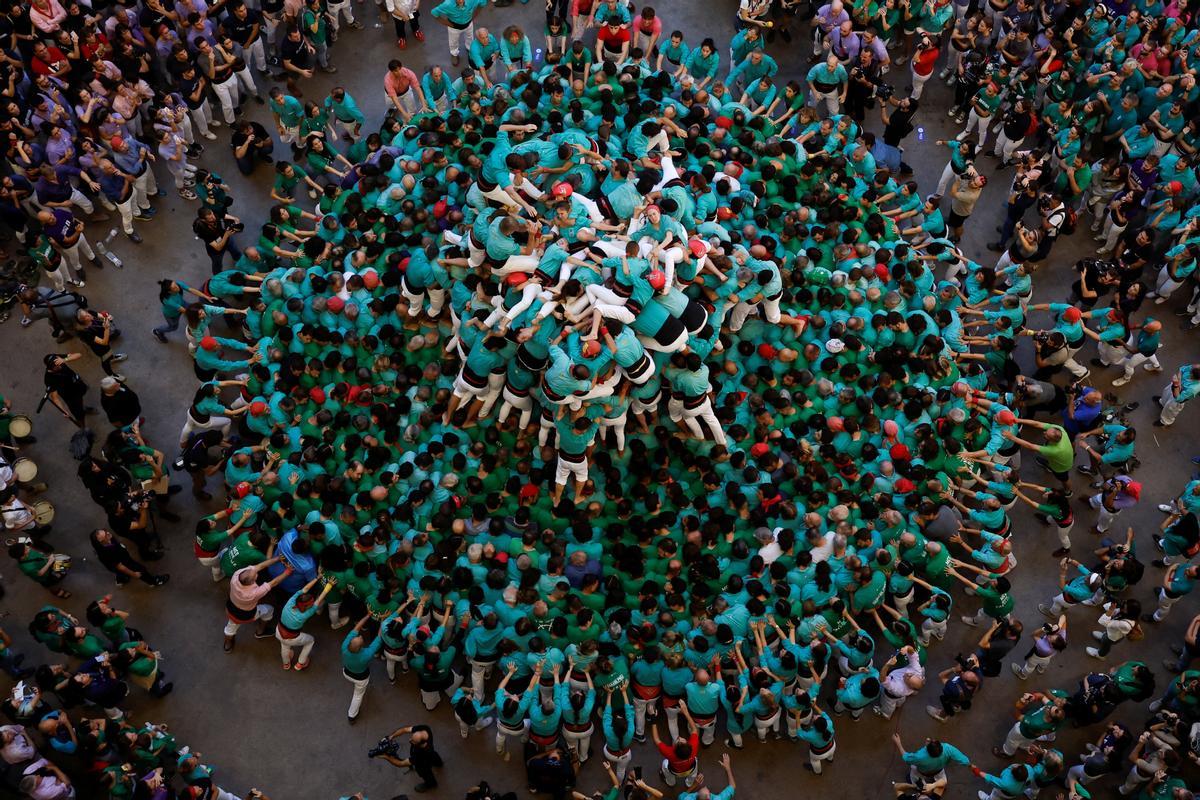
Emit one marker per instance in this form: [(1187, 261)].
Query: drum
[(20, 426), (25, 469), (43, 512)]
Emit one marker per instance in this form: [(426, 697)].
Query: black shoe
[(62, 337), (787, 36), (1157, 399), (135, 237), (153, 555), (258, 99), (1061, 552), (424, 787), (1096, 362), (174, 489), (159, 580)]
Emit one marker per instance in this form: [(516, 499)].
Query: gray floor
[(287, 733)]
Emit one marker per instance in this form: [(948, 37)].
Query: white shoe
[(1094, 653), (210, 136), (1165, 508), (1098, 636), (1158, 301), (1120, 381)]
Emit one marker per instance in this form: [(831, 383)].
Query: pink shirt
[(246, 597), (395, 84)]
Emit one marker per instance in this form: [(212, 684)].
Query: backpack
[(1070, 222)]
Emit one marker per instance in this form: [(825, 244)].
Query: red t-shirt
[(680, 767), (922, 64), (613, 40), (54, 58)]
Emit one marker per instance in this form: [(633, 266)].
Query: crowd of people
[(633, 390)]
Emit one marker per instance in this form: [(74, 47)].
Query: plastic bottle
[(102, 249)]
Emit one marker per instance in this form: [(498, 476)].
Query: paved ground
[(287, 732)]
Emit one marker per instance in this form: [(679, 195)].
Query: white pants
[(817, 760), (255, 54), (762, 726), (565, 469), (70, 255), (456, 37), (125, 209), (262, 613), (1034, 662), (704, 411), (1164, 605), (144, 187), (202, 117), (504, 733), (1164, 286), (245, 79), (619, 763), (1106, 518), (1133, 361), (934, 629), (511, 401), (889, 704), (1005, 147), (976, 121), (304, 641), (1171, 406), (831, 100), (335, 12), (670, 778), (580, 742), (214, 424), (408, 101), (227, 94), (737, 317), (918, 83), (609, 303), (480, 672), (360, 691)]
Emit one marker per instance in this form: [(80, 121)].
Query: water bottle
[(537, 55), (102, 249), (920, 134)]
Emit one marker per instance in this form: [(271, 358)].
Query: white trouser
[(408, 101), (816, 760), (61, 276), (889, 704), (1112, 232), (465, 729), (580, 742), (763, 726), (1005, 147), (71, 254), (255, 54), (125, 209), (416, 302), (214, 424), (214, 566), (1134, 360), (304, 641), (335, 11), (619, 763), (1164, 286), (737, 317), (691, 417), (1171, 406), (480, 672), (511, 401), (227, 94), (933, 628), (360, 691), (918, 83), (504, 733), (609, 303), (245, 79), (831, 100), (1015, 740), (144, 187), (1165, 602), (203, 118), (565, 469), (670, 778), (1106, 518), (618, 428), (975, 121), (262, 613), (457, 37)]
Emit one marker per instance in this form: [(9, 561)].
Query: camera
[(237, 227), (884, 91), (386, 747)]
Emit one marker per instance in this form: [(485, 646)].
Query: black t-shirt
[(122, 408), (91, 336), (300, 54), (187, 88), (240, 30), (65, 381), (208, 233), (260, 135)]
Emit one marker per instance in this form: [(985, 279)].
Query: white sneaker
[(210, 136), (1165, 508), (1120, 381), (1094, 653)]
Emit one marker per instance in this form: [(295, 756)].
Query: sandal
[(61, 593)]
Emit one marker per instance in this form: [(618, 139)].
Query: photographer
[(97, 331), (60, 308), (923, 61), (865, 85), (217, 235), (251, 144), (115, 558), (422, 757)]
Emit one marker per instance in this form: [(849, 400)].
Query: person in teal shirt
[(357, 654)]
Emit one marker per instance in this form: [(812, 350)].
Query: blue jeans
[(172, 325)]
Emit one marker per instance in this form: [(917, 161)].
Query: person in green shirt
[(1056, 454)]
